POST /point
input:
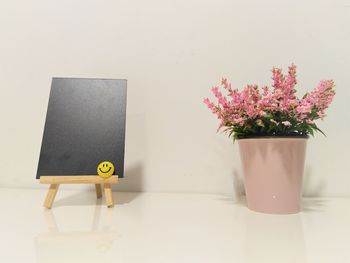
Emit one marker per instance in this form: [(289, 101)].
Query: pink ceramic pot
[(273, 173)]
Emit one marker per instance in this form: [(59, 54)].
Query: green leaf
[(310, 130), (319, 130), (231, 132)]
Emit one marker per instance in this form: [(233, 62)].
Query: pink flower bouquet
[(256, 112)]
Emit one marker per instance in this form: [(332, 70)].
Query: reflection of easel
[(64, 236), (55, 181)]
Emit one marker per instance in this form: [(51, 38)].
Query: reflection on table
[(92, 245), (274, 238)]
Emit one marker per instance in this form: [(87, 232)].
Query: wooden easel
[(55, 181)]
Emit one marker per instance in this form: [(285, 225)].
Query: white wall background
[(172, 52)]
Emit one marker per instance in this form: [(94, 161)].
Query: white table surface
[(157, 227)]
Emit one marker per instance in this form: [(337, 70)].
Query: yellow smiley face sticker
[(105, 169)]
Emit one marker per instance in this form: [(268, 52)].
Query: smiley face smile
[(106, 171)]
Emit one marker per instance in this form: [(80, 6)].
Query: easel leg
[(98, 191), (51, 194), (108, 195)]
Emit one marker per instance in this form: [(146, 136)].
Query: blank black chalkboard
[(85, 125)]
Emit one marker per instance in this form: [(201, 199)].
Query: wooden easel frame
[(55, 182)]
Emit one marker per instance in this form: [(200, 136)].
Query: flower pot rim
[(275, 137)]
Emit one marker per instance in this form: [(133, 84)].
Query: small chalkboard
[(85, 125)]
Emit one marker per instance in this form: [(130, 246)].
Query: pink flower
[(239, 121), (209, 104), (286, 123), (252, 103), (216, 92), (226, 85), (318, 101), (262, 113), (259, 122)]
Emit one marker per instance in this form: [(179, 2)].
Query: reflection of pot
[(273, 172), (274, 238)]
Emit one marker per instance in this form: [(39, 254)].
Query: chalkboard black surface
[(85, 125)]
